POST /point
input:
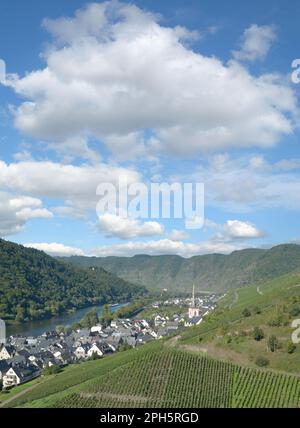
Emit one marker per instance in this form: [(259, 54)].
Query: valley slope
[(34, 285), (213, 272), (210, 365)]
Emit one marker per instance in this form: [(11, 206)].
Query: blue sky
[(158, 91)]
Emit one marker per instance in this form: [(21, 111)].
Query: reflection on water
[(35, 328)]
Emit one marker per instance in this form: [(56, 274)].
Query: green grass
[(4, 396), (275, 293), (229, 330)]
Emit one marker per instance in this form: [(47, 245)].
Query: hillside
[(34, 285), (229, 331), (215, 272), (159, 376), (210, 365)]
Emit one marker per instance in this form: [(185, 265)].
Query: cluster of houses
[(24, 358), (198, 308)]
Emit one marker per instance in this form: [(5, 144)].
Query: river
[(35, 328)]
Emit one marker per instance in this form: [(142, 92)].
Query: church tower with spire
[(194, 311)]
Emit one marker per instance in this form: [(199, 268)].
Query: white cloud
[(249, 183), (230, 239), (238, 230), (127, 228), (178, 235), (113, 72), (131, 248), (288, 164), (56, 250), (256, 42), (16, 211), (75, 185), (166, 246)]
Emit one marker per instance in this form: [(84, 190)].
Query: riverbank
[(38, 327)]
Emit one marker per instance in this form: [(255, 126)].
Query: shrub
[(295, 311), (258, 334), (273, 343), (291, 348), (51, 370), (262, 361), (246, 313)]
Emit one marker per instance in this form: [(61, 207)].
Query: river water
[(35, 328)]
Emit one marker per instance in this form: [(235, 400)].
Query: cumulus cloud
[(16, 211), (166, 246), (178, 235), (256, 42), (250, 183), (230, 237), (56, 250), (75, 184), (238, 230), (131, 248), (127, 228), (114, 71)]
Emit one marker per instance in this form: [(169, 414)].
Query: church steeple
[(194, 311), (193, 297)]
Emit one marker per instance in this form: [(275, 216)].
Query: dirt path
[(172, 342), (259, 291), (121, 397), (211, 350), (294, 286), (235, 300), (20, 394), (218, 353)]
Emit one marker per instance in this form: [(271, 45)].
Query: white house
[(193, 321), (95, 349), (96, 329), (7, 352), (158, 321), (15, 376), (81, 352)]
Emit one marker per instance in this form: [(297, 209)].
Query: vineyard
[(170, 378)]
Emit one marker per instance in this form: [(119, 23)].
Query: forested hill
[(216, 272), (34, 285)]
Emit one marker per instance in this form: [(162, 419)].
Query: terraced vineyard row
[(172, 378), (254, 388)]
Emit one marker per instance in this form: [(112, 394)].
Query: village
[(25, 358)]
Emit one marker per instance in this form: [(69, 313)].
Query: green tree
[(258, 334), (257, 310), (291, 348), (60, 329), (295, 311), (107, 315), (90, 319), (21, 314), (246, 313), (273, 343), (76, 326), (51, 370)]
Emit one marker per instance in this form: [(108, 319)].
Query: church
[(194, 311)]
